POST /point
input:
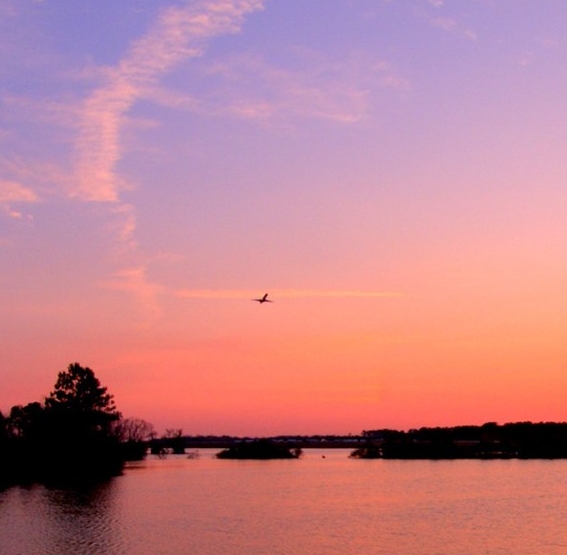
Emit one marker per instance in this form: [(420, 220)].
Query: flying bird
[(264, 299)]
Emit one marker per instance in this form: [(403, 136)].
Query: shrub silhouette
[(258, 449)]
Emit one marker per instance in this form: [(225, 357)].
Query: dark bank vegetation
[(259, 449), (522, 440), (134, 435), (172, 442), (75, 433)]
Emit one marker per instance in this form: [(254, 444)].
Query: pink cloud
[(178, 35), (12, 192)]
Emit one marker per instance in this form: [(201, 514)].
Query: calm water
[(312, 506)]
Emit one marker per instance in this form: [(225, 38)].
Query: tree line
[(523, 440), (76, 432)]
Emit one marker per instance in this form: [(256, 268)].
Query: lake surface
[(321, 504)]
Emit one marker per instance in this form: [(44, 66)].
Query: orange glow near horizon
[(405, 213)]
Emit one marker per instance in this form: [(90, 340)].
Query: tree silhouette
[(78, 418), (78, 391), (134, 435), (76, 433), (174, 440), (69, 436), (133, 430), (26, 422), (4, 446)]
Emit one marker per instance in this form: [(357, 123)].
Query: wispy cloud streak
[(447, 23), (314, 86), (179, 34), (282, 293)]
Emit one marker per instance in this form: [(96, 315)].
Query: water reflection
[(61, 520), (320, 506)]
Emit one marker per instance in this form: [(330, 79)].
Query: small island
[(260, 449)]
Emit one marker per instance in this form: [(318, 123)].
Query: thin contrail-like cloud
[(282, 293), (179, 34)]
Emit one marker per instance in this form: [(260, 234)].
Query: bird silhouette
[(264, 299)]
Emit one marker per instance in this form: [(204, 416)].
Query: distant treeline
[(524, 440), (490, 440), (226, 441)]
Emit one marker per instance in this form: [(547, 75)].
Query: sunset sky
[(392, 172)]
